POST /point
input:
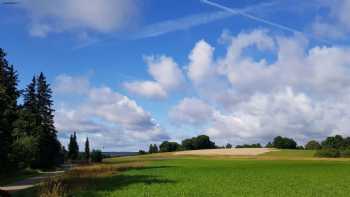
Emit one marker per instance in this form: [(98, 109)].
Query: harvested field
[(228, 152)]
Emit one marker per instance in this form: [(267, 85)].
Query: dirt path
[(30, 182)]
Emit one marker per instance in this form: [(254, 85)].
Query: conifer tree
[(49, 147), (8, 108), (87, 149), (73, 147)]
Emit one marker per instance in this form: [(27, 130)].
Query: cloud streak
[(245, 14)]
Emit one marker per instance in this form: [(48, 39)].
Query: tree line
[(74, 155), (27, 133), (333, 146), (195, 143)]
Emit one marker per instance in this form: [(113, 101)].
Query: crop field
[(198, 176)]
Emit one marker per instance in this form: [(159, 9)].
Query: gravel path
[(30, 182)]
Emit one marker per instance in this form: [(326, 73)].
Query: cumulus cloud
[(276, 86), (101, 16), (105, 112), (148, 89), (166, 74), (200, 62), (191, 111)]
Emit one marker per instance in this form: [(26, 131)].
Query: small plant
[(328, 152), (53, 187)]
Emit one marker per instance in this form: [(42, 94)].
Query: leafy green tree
[(187, 144), (284, 143), (25, 149), (313, 145), (269, 145), (249, 146), (199, 142), (336, 142), (87, 150), (96, 156), (169, 146)]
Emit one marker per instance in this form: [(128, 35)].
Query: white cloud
[(200, 64), (148, 89), (275, 86), (105, 112), (166, 74), (66, 15), (336, 23), (165, 71), (65, 84), (191, 111)]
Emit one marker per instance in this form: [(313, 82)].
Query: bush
[(345, 153), (96, 156), (328, 152), (313, 145)]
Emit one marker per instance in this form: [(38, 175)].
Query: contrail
[(262, 20), (238, 12)]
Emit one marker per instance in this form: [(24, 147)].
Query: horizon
[(139, 73)]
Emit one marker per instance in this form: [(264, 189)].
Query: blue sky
[(130, 73)]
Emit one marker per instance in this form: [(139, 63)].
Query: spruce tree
[(8, 108), (155, 148), (73, 147), (48, 145), (87, 149)]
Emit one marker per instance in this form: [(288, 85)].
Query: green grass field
[(182, 176)]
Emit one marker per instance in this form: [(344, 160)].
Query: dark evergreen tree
[(49, 147), (8, 108), (87, 149), (155, 148), (73, 147), (150, 149)]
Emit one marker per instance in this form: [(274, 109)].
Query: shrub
[(328, 152), (345, 153), (96, 156), (313, 145)]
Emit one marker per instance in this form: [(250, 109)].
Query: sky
[(127, 73)]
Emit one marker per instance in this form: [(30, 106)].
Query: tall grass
[(80, 178)]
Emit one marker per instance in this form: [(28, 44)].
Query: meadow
[(282, 173)]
